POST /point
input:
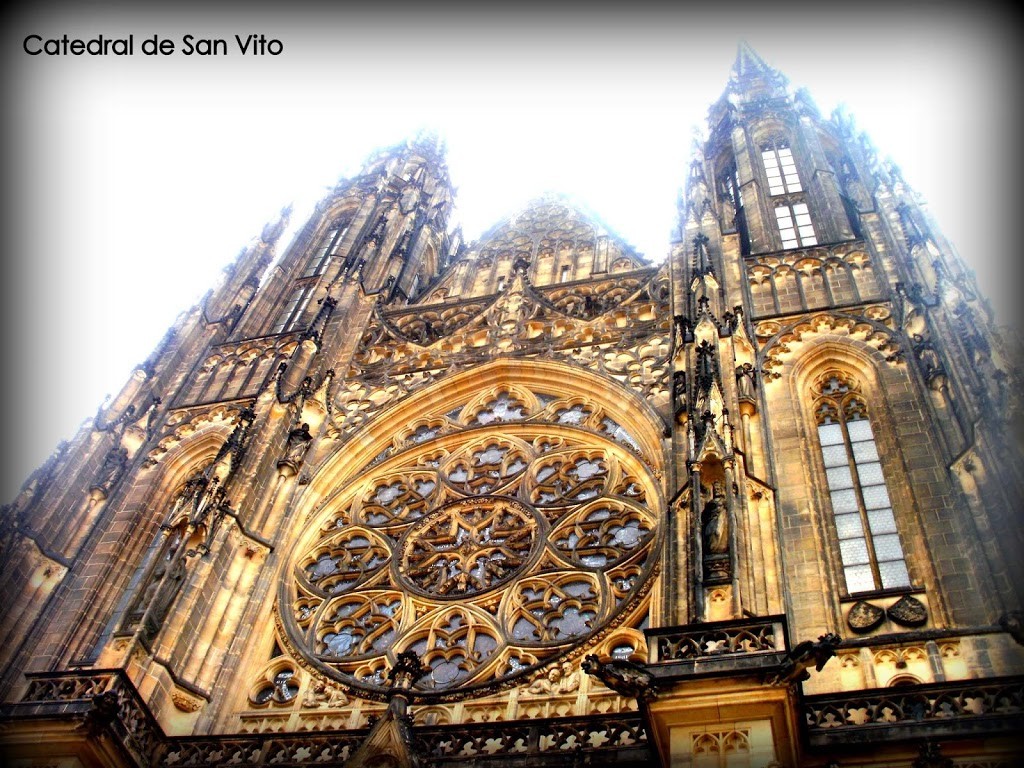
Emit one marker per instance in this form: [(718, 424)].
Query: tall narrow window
[(292, 311), (780, 170), (729, 181), (564, 274), (795, 225), (869, 545), (730, 185), (327, 248)]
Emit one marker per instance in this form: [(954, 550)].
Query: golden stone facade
[(389, 499)]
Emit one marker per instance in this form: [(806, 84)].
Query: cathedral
[(385, 498)]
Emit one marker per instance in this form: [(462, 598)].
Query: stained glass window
[(869, 545), (780, 169), (795, 227)]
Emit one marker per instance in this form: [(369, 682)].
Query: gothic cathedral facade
[(391, 499)]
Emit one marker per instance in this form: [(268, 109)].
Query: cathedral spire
[(750, 64), (752, 78)]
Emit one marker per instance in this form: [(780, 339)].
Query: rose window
[(467, 547), (488, 554)]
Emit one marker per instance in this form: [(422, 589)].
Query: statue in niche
[(298, 440), (160, 590), (679, 390), (167, 591), (728, 212), (296, 447), (114, 464), (745, 381), (715, 523), (681, 331), (931, 366)]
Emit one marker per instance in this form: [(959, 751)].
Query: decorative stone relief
[(863, 617), (490, 559), (908, 611)]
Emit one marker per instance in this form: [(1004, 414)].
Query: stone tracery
[(491, 546)]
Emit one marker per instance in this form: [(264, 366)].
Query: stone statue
[(113, 465), (560, 678), (745, 381), (715, 523), (322, 696), (160, 593), (295, 449)]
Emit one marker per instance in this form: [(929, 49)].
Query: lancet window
[(326, 249), (780, 169), (730, 187), (795, 226), (869, 544), (291, 313)]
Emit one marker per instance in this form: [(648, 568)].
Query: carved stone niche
[(886, 613), (714, 521)]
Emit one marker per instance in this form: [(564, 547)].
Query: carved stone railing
[(560, 739), (319, 749), (973, 707), (76, 687), (719, 647), (100, 700), (105, 702)]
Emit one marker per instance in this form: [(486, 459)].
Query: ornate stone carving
[(185, 701), (622, 676), (816, 653), (863, 616), (556, 679), (321, 695), (467, 547), (964, 701), (908, 612), (491, 559), (295, 449), (753, 638)]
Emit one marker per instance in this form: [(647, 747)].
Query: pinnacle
[(749, 62), (753, 75)]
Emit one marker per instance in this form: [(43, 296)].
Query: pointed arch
[(855, 476), (630, 413)]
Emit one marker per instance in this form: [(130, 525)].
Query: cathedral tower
[(391, 499)]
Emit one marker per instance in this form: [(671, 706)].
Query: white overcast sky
[(131, 182)]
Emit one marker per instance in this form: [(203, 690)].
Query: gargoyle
[(103, 712), (1013, 622), (810, 652), (621, 676)]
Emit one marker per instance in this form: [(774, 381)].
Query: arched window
[(795, 226), (780, 168), (327, 249), (869, 544), (291, 313)]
